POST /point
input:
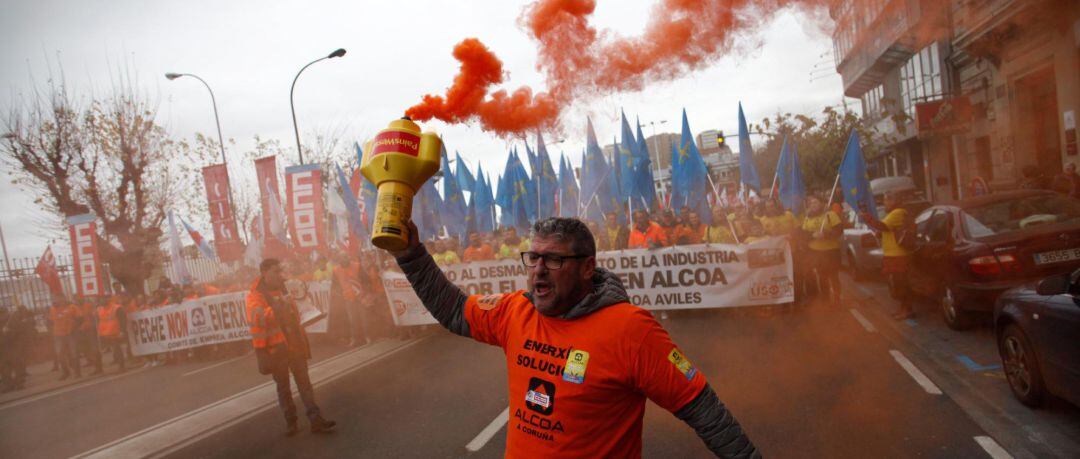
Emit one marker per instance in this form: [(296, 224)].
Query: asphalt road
[(821, 381), (810, 383)]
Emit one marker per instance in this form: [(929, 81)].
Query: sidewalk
[(40, 379), (967, 366)]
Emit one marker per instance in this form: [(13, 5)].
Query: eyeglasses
[(551, 261)]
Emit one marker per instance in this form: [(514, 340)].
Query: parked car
[(861, 248), (971, 251), (1038, 329)]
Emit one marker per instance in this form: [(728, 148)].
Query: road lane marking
[(66, 389), (915, 373), (179, 432), (972, 366), (210, 367), (485, 435), (863, 321), (992, 448)]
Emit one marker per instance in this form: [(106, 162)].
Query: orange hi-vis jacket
[(654, 235), (108, 323), (265, 329)]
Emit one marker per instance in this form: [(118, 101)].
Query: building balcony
[(901, 29)]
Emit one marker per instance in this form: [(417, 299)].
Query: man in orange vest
[(110, 317), (581, 359), (63, 315), (279, 338)]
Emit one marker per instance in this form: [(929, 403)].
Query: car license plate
[(1057, 256)]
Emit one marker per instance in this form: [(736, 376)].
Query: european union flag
[(689, 175), (854, 182), (747, 172)]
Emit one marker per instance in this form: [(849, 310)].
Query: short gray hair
[(571, 230)]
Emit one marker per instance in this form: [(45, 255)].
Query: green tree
[(110, 158), (820, 142)]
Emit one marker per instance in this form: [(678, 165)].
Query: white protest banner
[(214, 319), (680, 277)]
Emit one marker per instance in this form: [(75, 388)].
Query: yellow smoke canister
[(399, 160)]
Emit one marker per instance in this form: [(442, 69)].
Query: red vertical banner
[(304, 206), (226, 237), (266, 173), (84, 253)]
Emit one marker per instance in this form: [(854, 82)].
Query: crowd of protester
[(814, 235), (84, 329)]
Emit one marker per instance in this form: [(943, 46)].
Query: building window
[(871, 102), (920, 78)]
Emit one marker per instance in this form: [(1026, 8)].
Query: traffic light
[(720, 138)]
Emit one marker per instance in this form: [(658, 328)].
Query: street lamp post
[(221, 140), (337, 53), (213, 101)]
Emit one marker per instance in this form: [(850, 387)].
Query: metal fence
[(20, 285)]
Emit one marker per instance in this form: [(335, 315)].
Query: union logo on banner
[(84, 253), (304, 207)]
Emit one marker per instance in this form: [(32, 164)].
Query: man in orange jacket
[(277, 333), (110, 319), (581, 359)]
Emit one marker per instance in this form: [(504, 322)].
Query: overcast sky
[(249, 51)]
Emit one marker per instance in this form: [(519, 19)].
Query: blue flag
[(626, 159), (533, 172), (368, 192), (454, 206), (426, 211), (792, 190), (545, 181), (747, 172), (482, 204), (568, 190), (689, 175), (356, 219), (644, 185), (596, 178), (465, 179), (514, 196), (854, 182)]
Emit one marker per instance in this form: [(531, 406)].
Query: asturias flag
[(747, 172), (854, 181)]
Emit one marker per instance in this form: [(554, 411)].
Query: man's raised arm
[(444, 300)]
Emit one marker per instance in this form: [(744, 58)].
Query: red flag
[(266, 171), (304, 207), (226, 237), (46, 270), (84, 255)]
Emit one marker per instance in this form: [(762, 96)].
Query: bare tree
[(111, 159)]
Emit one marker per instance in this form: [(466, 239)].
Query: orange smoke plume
[(577, 60)]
